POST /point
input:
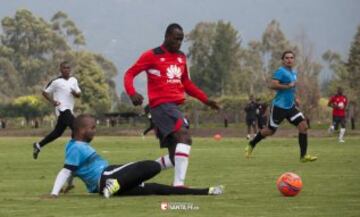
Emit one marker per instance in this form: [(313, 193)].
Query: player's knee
[(303, 127), (183, 136), (151, 166), (268, 132)]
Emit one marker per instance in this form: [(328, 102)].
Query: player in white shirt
[(61, 93)]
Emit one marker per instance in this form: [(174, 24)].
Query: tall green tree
[(252, 74), (214, 55), (31, 42), (95, 91), (31, 50), (8, 80), (274, 43), (308, 88), (338, 66), (353, 67), (346, 73), (201, 39), (66, 28)]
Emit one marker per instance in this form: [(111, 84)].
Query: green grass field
[(331, 184)]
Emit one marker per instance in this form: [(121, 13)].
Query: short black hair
[(286, 52), (63, 63), (171, 27), (79, 121)]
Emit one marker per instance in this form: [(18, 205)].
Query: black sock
[(256, 139), (303, 144)]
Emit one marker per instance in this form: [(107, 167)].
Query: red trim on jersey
[(181, 154), (336, 100), (167, 76)]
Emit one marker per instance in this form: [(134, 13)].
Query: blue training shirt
[(285, 98), (88, 163)]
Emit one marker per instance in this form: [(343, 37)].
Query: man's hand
[(292, 84), (137, 99), (212, 104), (335, 106), (75, 94), (55, 103)]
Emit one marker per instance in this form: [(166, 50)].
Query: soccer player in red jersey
[(168, 80), (338, 102)]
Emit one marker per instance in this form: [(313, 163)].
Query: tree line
[(31, 49), (223, 66)]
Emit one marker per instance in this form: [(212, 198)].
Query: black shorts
[(339, 120), (129, 175), (277, 115), (250, 122), (261, 121), (167, 119)]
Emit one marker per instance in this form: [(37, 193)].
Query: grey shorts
[(167, 119)]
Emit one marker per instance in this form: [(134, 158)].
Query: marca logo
[(173, 73)]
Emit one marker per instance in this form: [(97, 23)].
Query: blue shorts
[(167, 119)]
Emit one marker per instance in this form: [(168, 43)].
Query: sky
[(122, 29)]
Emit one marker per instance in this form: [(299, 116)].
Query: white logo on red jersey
[(180, 60), (162, 59), (174, 74), (154, 72)]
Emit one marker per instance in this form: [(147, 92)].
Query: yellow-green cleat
[(248, 151), (111, 187), (216, 190), (308, 158)]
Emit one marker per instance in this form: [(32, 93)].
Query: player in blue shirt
[(284, 106), (81, 160)]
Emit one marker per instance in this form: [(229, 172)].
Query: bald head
[(84, 127)]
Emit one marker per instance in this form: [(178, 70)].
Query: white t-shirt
[(60, 89)]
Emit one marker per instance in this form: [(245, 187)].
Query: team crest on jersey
[(162, 59), (173, 73), (180, 60)]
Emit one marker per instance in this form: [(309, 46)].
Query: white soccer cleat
[(341, 140), (216, 190), (111, 187)]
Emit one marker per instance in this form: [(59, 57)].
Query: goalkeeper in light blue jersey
[(81, 160)]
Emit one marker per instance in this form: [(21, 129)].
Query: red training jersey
[(341, 102), (167, 77)]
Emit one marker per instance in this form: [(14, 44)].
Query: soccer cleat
[(341, 140), (248, 137), (248, 150), (216, 190), (36, 150), (111, 187), (308, 158)]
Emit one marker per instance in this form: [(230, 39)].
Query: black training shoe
[(36, 150)]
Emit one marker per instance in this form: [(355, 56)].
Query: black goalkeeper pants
[(132, 175), (65, 119)]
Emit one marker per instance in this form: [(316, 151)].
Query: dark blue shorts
[(167, 119), (339, 120)]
